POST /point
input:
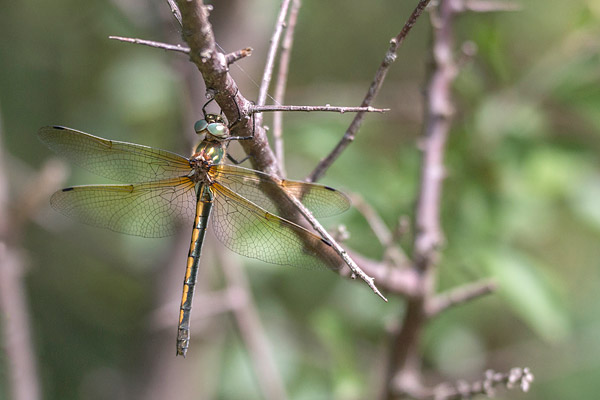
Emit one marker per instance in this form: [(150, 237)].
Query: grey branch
[(356, 270), (341, 110), (388, 59), (252, 331), (460, 295), (159, 45), (487, 6), (404, 374), (516, 378), (175, 11), (280, 85), (393, 251), (238, 55), (266, 79)]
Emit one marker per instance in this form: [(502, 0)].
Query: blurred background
[(520, 202)]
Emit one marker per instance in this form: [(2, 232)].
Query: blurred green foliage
[(520, 203)]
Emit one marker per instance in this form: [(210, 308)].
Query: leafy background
[(520, 200)]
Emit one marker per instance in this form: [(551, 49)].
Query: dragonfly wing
[(120, 161), (321, 200), (147, 209), (253, 232)]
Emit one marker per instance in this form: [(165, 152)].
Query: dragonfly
[(168, 188)]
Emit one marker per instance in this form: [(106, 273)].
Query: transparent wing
[(120, 161), (150, 209), (253, 232), (321, 200)]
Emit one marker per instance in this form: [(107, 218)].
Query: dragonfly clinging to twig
[(169, 187)]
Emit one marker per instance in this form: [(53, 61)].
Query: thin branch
[(516, 378), (428, 233), (391, 252), (356, 270), (175, 11), (401, 281), (159, 45), (404, 369), (266, 79), (213, 304), (388, 59), (259, 109), (379, 228), (459, 295), (23, 381), (251, 330), (17, 341), (284, 64), (238, 55), (487, 6)]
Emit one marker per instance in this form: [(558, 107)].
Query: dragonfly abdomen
[(203, 208)]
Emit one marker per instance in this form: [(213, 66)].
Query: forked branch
[(198, 34)]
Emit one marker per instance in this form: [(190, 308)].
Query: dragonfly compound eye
[(200, 126), (218, 130)]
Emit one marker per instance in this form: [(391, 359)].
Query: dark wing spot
[(327, 242)]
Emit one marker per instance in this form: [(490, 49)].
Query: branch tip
[(238, 55)]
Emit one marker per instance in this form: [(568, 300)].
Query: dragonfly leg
[(212, 98), (237, 162), (243, 137)]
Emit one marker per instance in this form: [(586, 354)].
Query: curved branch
[(388, 59)]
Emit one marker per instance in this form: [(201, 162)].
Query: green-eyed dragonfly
[(168, 187)]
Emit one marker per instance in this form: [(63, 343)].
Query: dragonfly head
[(213, 126)]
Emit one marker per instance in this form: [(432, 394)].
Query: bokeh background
[(520, 203)]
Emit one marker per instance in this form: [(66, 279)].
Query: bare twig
[(175, 11), (238, 55), (356, 270), (213, 304), (379, 228), (266, 79), (388, 59), (341, 110), (284, 64), (252, 331), (459, 295), (428, 233), (404, 370), (18, 347), (487, 6), (159, 45), (16, 332), (516, 377), (399, 281)]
